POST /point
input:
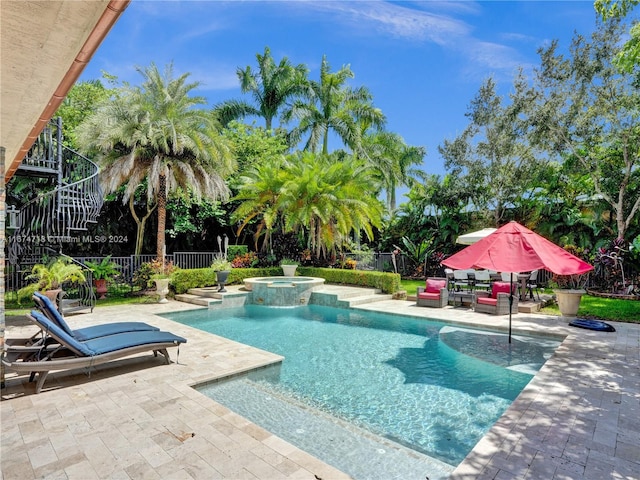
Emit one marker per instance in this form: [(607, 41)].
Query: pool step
[(363, 299), (329, 295), (197, 299), (346, 297), (210, 297), (212, 292)]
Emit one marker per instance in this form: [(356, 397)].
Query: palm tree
[(392, 159), (154, 134), (333, 107), (259, 189), (271, 87), (323, 199), (328, 200)]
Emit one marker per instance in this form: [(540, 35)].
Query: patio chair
[(532, 284), (47, 307), (448, 272), (434, 294), (67, 353), (483, 279), (497, 301), (461, 279)]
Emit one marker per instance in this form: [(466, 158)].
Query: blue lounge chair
[(67, 353), (47, 307)]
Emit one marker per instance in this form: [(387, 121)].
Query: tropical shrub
[(155, 269), (234, 251)]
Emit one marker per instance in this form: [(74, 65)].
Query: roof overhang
[(45, 46)]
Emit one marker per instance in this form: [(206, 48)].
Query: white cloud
[(392, 19), (421, 21)]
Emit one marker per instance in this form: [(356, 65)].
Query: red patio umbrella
[(515, 248)]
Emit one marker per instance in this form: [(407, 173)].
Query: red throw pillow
[(434, 286), (500, 287)]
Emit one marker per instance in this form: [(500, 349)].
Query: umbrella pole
[(510, 303)]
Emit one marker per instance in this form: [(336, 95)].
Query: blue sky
[(423, 61)]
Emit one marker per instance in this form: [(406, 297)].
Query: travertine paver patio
[(138, 418)]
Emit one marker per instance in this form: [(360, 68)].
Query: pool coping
[(569, 422)]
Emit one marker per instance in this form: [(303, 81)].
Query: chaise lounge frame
[(60, 352)]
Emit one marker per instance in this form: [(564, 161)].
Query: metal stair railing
[(54, 215), (41, 156), (77, 296)]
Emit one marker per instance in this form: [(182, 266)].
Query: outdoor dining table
[(523, 278)]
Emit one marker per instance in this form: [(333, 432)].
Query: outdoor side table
[(463, 297)]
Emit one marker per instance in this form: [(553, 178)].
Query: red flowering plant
[(246, 260)]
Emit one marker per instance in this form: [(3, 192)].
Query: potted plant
[(289, 267), (103, 271), (50, 277), (156, 272), (569, 291), (222, 267)]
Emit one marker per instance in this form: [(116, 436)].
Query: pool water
[(425, 385)]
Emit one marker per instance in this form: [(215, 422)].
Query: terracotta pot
[(53, 295), (101, 287)]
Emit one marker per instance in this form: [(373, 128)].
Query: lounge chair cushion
[(111, 343), (487, 301), (119, 341), (429, 296), (48, 326), (88, 333), (54, 313), (500, 287), (434, 286)]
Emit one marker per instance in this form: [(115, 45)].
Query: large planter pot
[(569, 301), (221, 278), (162, 289), (53, 295), (289, 270), (101, 287)]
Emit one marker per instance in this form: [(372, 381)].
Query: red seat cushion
[(429, 296), (500, 287), (487, 301), (434, 286)]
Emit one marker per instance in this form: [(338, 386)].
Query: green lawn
[(590, 307), (12, 307)]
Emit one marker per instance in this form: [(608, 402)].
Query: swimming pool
[(425, 385)]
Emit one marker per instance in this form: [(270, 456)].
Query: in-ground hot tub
[(281, 291)]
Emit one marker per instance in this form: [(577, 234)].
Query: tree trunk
[(162, 215), (140, 224)]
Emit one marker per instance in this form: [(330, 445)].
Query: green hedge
[(183, 280), (387, 282)]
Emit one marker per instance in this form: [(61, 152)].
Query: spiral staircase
[(58, 215)]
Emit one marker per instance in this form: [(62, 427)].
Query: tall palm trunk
[(162, 215)]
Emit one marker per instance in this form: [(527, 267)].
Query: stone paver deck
[(579, 418)]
